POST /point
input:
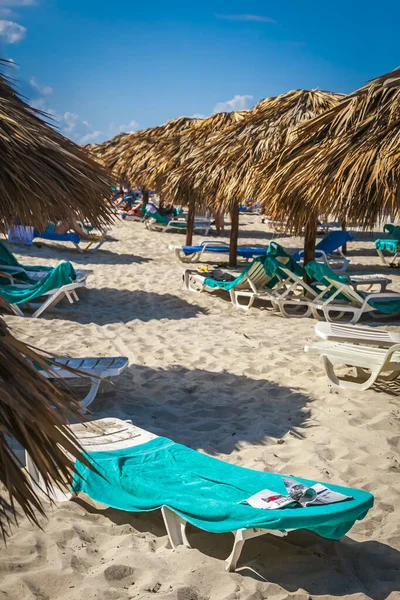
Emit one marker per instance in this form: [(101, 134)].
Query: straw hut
[(222, 167), (148, 157), (43, 175), (345, 162)]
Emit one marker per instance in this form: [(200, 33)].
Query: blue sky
[(104, 67)]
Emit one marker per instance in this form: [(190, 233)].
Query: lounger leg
[(176, 528), (70, 297), (241, 535), (235, 300), (234, 556), (342, 383), (94, 388)]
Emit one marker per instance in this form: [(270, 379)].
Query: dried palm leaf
[(43, 175), (345, 162), (33, 412), (221, 167)]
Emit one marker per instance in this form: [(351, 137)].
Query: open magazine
[(298, 494)]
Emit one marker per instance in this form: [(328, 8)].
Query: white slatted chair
[(369, 362), (250, 285), (96, 369), (354, 334)]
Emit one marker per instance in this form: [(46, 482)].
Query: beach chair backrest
[(7, 258), (392, 230), (333, 241), (257, 274), (279, 253), (326, 276)]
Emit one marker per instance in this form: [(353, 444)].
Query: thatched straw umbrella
[(43, 175), (33, 412), (222, 168), (346, 162), (148, 157)]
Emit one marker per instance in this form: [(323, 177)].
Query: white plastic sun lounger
[(338, 332), (251, 286), (370, 363), (108, 435), (200, 225), (95, 369), (114, 434), (327, 302), (52, 299)]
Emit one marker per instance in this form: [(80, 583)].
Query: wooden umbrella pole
[(145, 193), (343, 224), (234, 235), (310, 235), (190, 219)]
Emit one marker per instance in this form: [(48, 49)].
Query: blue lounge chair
[(328, 251), (137, 471), (91, 245), (195, 253)]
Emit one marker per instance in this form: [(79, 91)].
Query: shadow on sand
[(212, 400), (103, 306), (102, 256), (302, 560)]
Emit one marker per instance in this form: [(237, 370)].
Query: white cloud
[(87, 124), (5, 12), (43, 90), (116, 129), (246, 18), (237, 103), (197, 116), (11, 32), (71, 119), (90, 137), (130, 128)]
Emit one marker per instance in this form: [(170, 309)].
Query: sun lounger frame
[(53, 298), (375, 360), (117, 434), (96, 369), (202, 225)]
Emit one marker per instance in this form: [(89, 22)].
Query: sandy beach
[(229, 383)]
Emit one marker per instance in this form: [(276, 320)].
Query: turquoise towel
[(387, 244), (7, 259), (61, 275), (322, 272), (206, 491)]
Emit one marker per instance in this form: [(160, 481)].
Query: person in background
[(219, 222)]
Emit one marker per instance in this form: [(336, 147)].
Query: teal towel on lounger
[(62, 274), (206, 491), (255, 270), (7, 259)]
